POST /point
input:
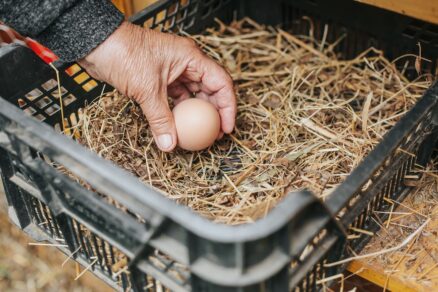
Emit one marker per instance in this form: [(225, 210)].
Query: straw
[(305, 119)]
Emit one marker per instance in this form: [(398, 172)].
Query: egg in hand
[(197, 124)]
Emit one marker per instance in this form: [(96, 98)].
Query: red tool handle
[(8, 35), (44, 53)]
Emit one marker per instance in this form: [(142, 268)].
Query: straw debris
[(416, 263)]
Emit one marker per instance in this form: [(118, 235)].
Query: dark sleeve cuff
[(81, 28)]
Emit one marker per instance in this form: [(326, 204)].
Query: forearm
[(71, 28)]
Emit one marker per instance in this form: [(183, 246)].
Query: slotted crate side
[(32, 212), (404, 150), (315, 268), (382, 176), (73, 218), (33, 86), (388, 173), (192, 16), (259, 257)]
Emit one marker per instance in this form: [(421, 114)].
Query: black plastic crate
[(167, 244)]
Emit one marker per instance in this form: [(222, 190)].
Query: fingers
[(178, 91), (161, 120), (214, 84), (227, 113), (194, 86), (217, 80)]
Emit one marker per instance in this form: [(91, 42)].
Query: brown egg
[(197, 124)]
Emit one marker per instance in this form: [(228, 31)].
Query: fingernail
[(165, 141)]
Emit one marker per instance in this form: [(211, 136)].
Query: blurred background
[(24, 267)]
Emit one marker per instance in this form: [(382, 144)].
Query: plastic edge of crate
[(391, 140)]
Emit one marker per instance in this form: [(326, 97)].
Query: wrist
[(106, 57)]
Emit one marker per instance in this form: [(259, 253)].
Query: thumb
[(161, 121)]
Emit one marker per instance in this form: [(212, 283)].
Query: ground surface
[(36, 268)]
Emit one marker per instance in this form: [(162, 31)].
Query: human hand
[(149, 66)]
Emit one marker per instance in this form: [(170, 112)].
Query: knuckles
[(160, 122), (186, 46)]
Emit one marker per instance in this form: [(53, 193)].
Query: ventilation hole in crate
[(30, 111), (55, 93), (57, 128), (149, 23), (40, 117), (49, 84), (418, 24), (187, 23), (431, 36), (68, 99), (433, 30), (353, 200), (34, 94), (160, 16), (306, 252), (425, 39), (185, 4), (410, 33), (41, 103), (169, 24), (181, 15), (215, 5), (174, 16), (172, 10), (40, 218), (89, 85), (80, 113), (52, 109), (73, 119), (21, 103), (178, 272), (366, 185), (409, 138), (312, 2), (81, 78), (205, 12), (73, 69)]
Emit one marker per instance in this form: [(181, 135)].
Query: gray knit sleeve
[(70, 28)]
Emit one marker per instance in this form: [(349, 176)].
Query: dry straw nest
[(305, 119)]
